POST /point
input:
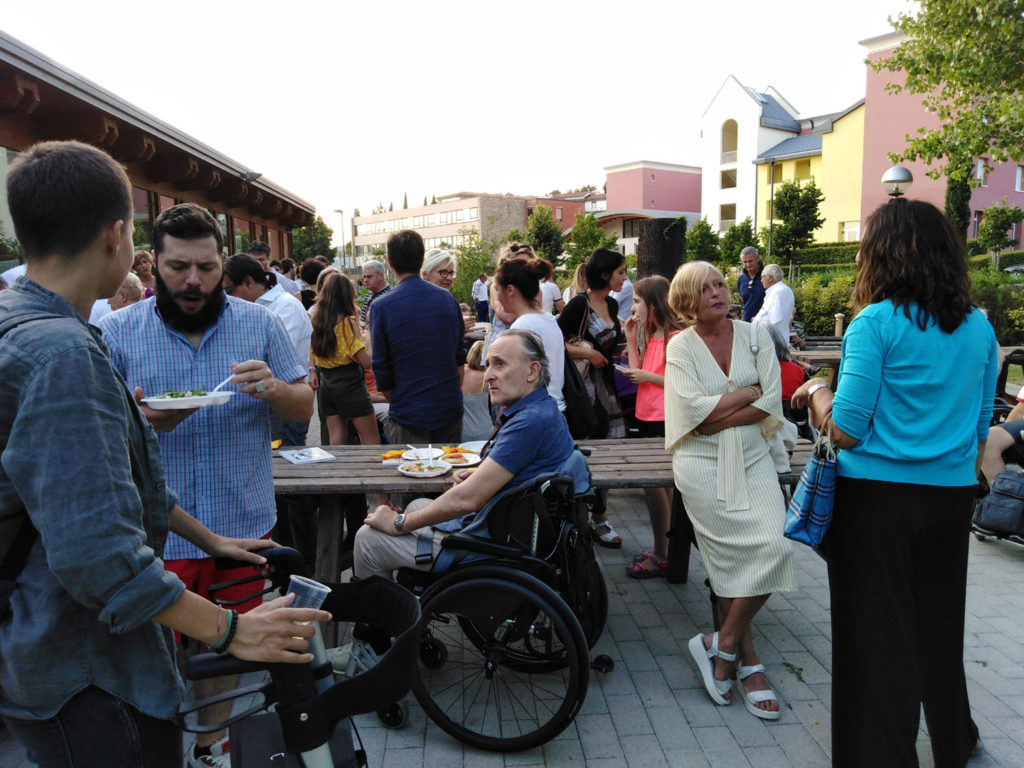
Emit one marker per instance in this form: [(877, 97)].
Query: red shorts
[(198, 575)]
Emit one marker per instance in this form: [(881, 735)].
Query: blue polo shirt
[(417, 331), (751, 291)]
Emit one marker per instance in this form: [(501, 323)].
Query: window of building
[(652, 177), (164, 202), (975, 222), (767, 210), (729, 179), (1019, 185), (776, 173), (729, 132), (558, 214), (222, 220), (981, 173), (849, 231), (631, 228), (142, 235), (242, 234), (802, 169), (726, 216)]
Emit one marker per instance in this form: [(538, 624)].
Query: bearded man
[(189, 336)]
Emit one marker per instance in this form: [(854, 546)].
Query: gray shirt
[(78, 456)]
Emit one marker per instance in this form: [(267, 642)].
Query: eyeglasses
[(446, 273)]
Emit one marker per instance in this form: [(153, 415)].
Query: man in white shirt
[(779, 301), (625, 298), (480, 294), (261, 252)]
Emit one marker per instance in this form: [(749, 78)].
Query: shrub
[(1001, 295), (819, 300), (828, 253)]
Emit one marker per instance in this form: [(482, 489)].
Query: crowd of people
[(123, 553)]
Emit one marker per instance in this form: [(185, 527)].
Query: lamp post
[(344, 259), (896, 181)]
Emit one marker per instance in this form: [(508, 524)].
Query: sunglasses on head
[(515, 248)]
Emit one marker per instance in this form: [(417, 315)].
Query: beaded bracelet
[(220, 645)]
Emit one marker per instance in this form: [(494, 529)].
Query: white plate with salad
[(192, 398)]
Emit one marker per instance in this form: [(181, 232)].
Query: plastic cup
[(308, 593)]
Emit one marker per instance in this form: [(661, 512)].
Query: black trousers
[(898, 578)]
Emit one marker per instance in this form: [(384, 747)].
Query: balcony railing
[(729, 157), (725, 224)]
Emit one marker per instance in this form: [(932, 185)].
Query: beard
[(177, 318)]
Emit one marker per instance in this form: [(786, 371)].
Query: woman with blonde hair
[(722, 400), (578, 284), (439, 267), (142, 266)]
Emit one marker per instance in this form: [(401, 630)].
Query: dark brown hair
[(186, 221), (62, 193), (335, 303), (910, 254), (525, 275)]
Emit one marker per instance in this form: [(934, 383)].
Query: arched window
[(729, 130)]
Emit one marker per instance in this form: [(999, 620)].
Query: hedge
[(828, 253)]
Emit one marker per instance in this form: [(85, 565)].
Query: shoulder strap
[(20, 546), (753, 338)]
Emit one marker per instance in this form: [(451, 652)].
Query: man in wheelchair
[(532, 439)]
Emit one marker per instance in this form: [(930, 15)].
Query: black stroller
[(310, 726)]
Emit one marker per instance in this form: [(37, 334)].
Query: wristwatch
[(815, 387), (399, 522)]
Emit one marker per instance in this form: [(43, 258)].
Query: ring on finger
[(261, 386)]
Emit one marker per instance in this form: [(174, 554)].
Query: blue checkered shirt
[(218, 459)]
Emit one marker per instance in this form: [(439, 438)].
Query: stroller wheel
[(395, 716), (433, 653), (602, 664)]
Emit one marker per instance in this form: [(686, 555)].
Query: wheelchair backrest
[(530, 516)]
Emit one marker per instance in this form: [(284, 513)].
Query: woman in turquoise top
[(910, 415)]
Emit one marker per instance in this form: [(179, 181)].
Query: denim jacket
[(78, 456)]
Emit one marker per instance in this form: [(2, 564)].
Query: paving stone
[(628, 716), (766, 757), (652, 689), (671, 728), (643, 752), (598, 736)]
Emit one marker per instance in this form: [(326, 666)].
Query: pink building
[(658, 186), (889, 119)]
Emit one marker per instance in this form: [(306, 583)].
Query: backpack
[(1002, 510), (20, 545)]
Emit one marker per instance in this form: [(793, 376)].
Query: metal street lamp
[(344, 259), (896, 181)]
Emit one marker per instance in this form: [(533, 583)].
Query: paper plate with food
[(462, 458), (474, 446), (422, 454), (426, 468), (189, 398)]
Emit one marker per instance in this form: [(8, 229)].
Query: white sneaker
[(219, 756), (339, 658)]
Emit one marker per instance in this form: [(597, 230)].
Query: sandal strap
[(761, 696), (715, 651), (743, 672)]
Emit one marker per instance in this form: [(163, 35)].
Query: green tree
[(963, 58), (585, 238), (958, 203), (797, 207), (311, 241), (405, 200), (702, 243), (545, 236), (475, 256), (993, 233), (736, 239), (516, 236), (10, 248)]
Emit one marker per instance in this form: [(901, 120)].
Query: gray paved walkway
[(652, 712)]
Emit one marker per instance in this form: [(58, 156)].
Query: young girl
[(654, 323), (337, 358)]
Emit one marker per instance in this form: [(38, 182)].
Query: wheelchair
[(310, 726), (510, 613)]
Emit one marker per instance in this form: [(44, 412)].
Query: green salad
[(187, 393)]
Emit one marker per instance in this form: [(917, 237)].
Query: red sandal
[(638, 568)]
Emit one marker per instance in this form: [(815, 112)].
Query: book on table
[(308, 456)]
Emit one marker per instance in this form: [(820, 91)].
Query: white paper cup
[(308, 593)]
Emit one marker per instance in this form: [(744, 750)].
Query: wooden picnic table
[(826, 358), (622, 463)]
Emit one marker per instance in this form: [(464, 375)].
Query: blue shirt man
[(749, 283), (532, 439), (417, 334)]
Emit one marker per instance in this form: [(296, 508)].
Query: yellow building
[(829, 153)]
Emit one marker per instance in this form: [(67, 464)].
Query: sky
[(348, 104)]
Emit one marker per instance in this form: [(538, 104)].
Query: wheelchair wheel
[(517, 667)]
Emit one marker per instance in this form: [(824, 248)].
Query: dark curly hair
[(910, 254)]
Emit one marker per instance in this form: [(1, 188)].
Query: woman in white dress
[(722, 400)]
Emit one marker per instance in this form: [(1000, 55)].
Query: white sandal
[(703, 658), (754, 698)]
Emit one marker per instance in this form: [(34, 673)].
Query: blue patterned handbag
[(810, 509)]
